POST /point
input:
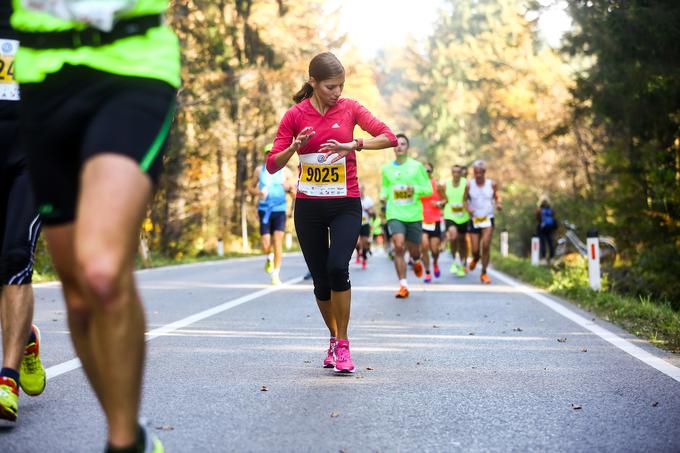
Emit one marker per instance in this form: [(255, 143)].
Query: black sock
[(137, 447), (10, 373)]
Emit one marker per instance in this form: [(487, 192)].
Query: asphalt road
[(456, 367)]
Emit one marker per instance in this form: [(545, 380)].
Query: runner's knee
[(339, 277), (322, 290), (103, 278), (16, 267)]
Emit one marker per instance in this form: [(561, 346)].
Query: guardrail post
[(504, 243), (593, 245), (535, 250)]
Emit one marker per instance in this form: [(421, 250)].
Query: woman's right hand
[(302, 138)]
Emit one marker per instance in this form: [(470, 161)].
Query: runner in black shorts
[(95, 116), (19, 230)]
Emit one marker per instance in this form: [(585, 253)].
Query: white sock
[(403, 283), (275, 272), (270, 257)]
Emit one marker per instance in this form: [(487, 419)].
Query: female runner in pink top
[(320, 129)]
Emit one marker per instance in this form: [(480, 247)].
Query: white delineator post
[(535, 250), (593, 245), (220, 247), (504, 243)]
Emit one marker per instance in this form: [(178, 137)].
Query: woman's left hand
[(335, 147)]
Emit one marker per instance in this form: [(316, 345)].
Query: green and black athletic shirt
[(153, 55)]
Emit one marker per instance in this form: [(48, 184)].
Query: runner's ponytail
[(323, 66), (304, 93)]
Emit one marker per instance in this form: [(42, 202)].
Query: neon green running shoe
[(32, 372), (152, 444), (276, 280), (453, 269), (269, 266), (461, 271), (9, 399)]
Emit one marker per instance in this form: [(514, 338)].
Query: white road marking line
[(74, 364), (624, 345)]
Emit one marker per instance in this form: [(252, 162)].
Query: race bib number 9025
[(318, 178)]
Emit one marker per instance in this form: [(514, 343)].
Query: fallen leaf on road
[(335, 414), (264, 389), (434, 326), (576, 406), (398, 314), (655, 403), (369, 368), (517, 329), (584, 350), (417, 363), (471, 333), (308, 361), (562, 340), (165, 427), (262, 319)]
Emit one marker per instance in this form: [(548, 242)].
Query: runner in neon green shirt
[(457, 219), (404, 181), (98, 83)]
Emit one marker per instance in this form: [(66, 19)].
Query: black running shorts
[(462, 228), (78, 113)]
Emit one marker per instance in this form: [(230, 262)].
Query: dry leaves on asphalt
[(584, 350), (165, 427), (264, 389), (562, 340), (655, 403), (471, 333), (369, 368), (335, 414), (517, 329), (576, 406), (434, 326)]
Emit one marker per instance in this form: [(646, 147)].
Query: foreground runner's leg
[(95, 260), (19, 230)]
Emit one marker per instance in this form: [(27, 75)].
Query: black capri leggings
[(328, 262), (19, 223)]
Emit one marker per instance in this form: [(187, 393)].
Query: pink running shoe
[(437, 272), (364, 263), (329, 362), (343, 360)]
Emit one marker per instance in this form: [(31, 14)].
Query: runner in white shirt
[(481, 197)]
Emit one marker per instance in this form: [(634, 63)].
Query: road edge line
[(626, 346)]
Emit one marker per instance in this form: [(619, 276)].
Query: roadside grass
[(652, 320)]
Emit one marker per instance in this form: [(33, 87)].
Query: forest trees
[(632, 92)]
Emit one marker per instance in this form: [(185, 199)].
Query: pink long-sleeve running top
[(337, 124)]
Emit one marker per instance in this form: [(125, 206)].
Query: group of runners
[(87, 102), (420, 212)]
